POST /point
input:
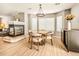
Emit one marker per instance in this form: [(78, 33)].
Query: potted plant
[(69, 17), (2, 26)]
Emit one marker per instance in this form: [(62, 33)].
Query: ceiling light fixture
[(40, 12)]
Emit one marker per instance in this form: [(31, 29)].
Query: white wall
[(26, 23), (75, 12), (5, 20)]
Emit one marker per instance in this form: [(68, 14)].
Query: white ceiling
[(10, 8)]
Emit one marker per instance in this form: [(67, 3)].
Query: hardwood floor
[(22, 48)]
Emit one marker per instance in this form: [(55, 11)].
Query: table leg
[(44, 40), (38, 45), (31, 43), (29, 40), (51, 40)]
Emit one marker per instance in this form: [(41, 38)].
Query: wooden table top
[(36, 34)]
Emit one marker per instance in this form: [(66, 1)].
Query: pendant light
[(40, 12)]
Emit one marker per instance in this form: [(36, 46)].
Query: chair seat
[(37, 40), (49, 37)]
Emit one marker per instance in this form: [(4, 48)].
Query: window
[(34, 24), (46, 24), (59, 23)]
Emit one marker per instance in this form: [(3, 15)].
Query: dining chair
[(50, 36), (34, 38), (37, 40)]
